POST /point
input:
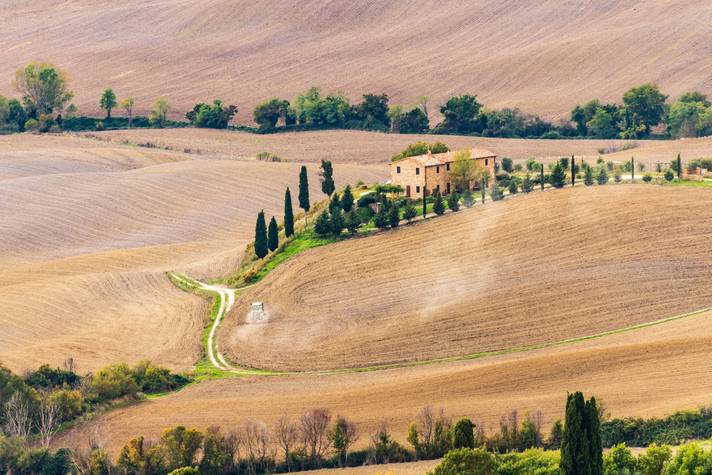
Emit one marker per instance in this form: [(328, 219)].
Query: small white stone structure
[(257, 313)]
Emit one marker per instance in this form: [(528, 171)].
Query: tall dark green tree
[(261, 247), (541, 178), (483, 186), (462, 434), (288, 214), (632, 169), (304, 191), (679, 166), (327, 177), (347, 199), (273, 235), (581, 449), (425, 202), (573, 171)]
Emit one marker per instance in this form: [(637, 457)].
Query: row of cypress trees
[(267, 237), (581, 448)]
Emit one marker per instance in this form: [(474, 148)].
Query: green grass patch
[(689, 183)]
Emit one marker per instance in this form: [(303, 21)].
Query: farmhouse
[(432, 171)]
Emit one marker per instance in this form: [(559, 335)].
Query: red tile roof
[(430, 160)]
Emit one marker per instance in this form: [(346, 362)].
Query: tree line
[(38, 404), (45, 106), (318, 439)]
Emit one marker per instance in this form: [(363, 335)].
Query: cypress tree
[(482, 188), (679, 166), (347, 200), (425, 202), (575, 451), (541, 169), (288, 214), (327, 177), (573, 171), (272, 235), (304, 191), (632, 169), (261, 248), (594, 437)]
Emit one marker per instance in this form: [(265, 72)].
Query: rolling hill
[(87, 230), (542, 56), (650, 372), (532, 269)]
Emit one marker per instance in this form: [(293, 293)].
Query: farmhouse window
[(397, 169), (417, 189), (437, 169), (447, 166), (417, 171), (486, 161)]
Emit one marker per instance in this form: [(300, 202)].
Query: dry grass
[(544, 56), (87, 230), (532, 269), (349, 146), (410, 468), (649, 372)]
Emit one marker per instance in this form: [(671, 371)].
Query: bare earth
[(543, 56), (87, 230), (531, 269), (648, 372), (351, 146)]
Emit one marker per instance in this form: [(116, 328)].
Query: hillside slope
[(87, 231), (543, 56), (531, 269), (650, 372)]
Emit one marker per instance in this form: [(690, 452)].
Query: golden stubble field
[(543, 56), (360, 147), (88, 229), (531, 269), (648, 372)]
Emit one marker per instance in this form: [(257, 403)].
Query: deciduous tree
[(107, 101)]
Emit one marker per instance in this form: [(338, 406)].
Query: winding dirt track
[(531, 269), (87, 230), (648, 372)]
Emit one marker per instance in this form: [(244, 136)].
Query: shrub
[(467, 199), (527, 184), (513, 186), (438, 204), (462, 434), (31, 125), (557, 179), (617, 177), (394, 215), (409, 212), (367, 199), (154, 379), (453, 201), (467, 462), (647, 178), (531, 461), (352, 221), (669, 175), (496, 192), (69, 402), (588, 176), (619, 460), (113, 382), (602, 177), (212, 116), (507, 164), (49, 378), (322, 225), (269, 157)]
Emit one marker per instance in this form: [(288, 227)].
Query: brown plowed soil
[(543, 56), (351, 146), (87, 230), (649, 372), (528, 270)]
